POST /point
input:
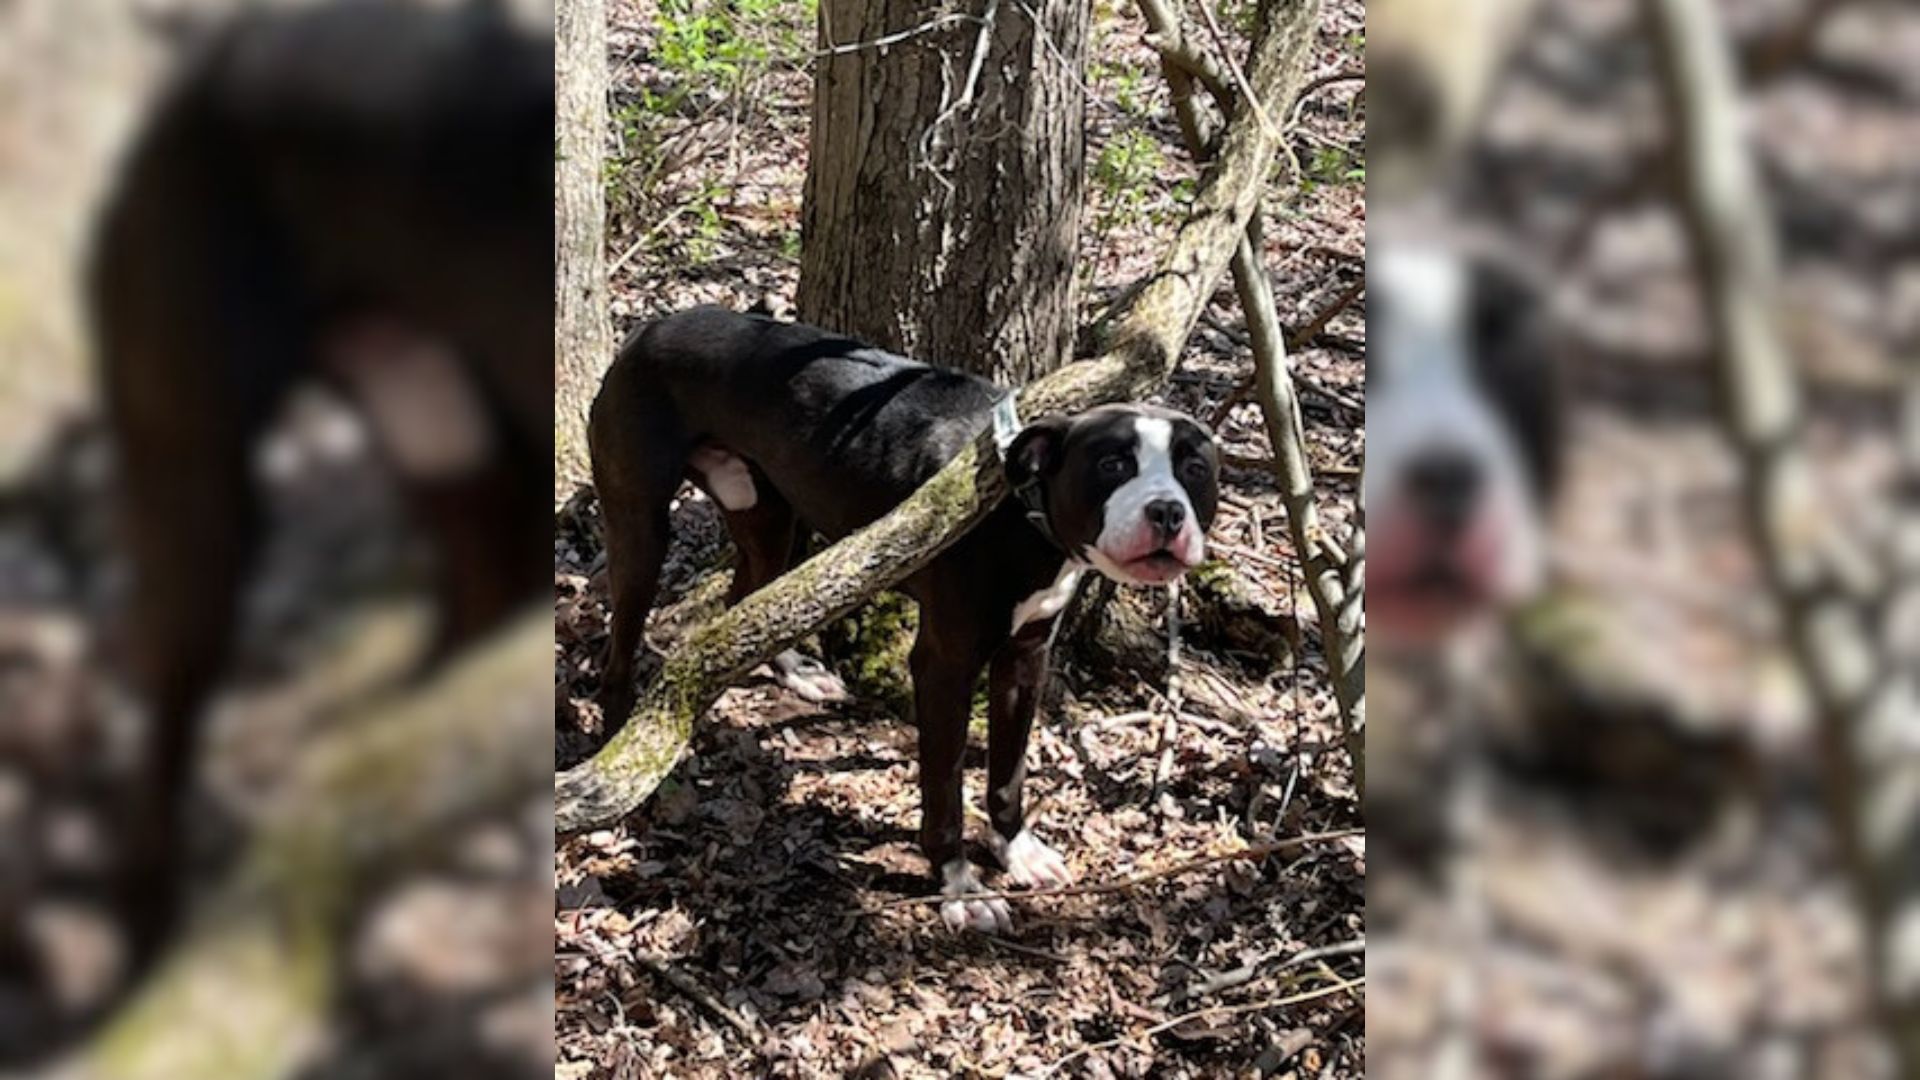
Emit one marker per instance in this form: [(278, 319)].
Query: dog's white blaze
[(1048, 602), (1153, 480), (726, 476), (1431, 402)]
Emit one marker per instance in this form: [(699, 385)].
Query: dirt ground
[(764, 916)]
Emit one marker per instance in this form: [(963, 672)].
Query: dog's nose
[(1166, 516), (1444, 486)]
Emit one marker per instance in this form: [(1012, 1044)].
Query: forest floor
[(763, 915)]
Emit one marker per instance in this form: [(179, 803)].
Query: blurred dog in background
[(357, 194)]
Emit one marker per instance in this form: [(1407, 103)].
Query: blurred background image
[(275, 387), (1642, 796)]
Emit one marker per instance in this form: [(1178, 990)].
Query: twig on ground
[(1251, 853), (1241, 554), (1246, 973), (1303, 336), (673, 976), (1211, 1010), (1298, 339)]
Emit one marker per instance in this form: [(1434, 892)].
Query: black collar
[(1034, 499)]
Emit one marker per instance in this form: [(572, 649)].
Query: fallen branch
[(1251, 853), (1246, 973), (672, 975), (1867, 708), (248, 988), (625, 771), (1211, 1010)]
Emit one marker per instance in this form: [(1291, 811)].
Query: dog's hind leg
[(639, 459), (198, 340)]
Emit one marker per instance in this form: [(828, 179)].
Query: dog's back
[(338, 156), (844, 408)]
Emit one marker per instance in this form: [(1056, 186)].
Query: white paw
[(808, 678), (1031, 864), (963, 911)]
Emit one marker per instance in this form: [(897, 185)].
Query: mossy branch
[(243, 996), (625, 771)]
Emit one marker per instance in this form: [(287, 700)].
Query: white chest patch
[(1049, 601)]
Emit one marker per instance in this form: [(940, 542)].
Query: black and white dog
[(1462, 442), (789, 427)]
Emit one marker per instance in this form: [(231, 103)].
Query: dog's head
[(1462, 442), (1131, 489)]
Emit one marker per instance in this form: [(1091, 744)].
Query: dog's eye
[(1114, 465), (1194, 467)]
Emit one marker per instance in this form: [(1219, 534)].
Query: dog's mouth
[(1435, 582), (1420, 591), (1156, 567)]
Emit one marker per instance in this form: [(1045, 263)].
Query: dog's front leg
[(942, 687), (1013, 695)]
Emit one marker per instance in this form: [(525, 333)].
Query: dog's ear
[(1036, 450)]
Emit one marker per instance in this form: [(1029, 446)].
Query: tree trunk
[(942, 209), (582, 333)]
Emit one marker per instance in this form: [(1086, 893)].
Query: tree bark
[(942, 208), (1867, 704), (582, 332), (1146, 344)]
